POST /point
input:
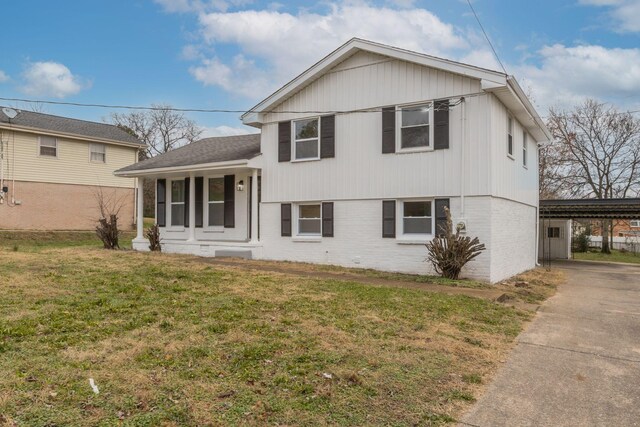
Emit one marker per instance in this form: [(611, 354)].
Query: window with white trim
[(635, 223), (216, 202), (417, 217), (309, 220), (48, 146), (98, 153), (415, 129), (524, 148), (177, 202), (306, 139), (510, 136)]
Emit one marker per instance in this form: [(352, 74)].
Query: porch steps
[(230, 253)]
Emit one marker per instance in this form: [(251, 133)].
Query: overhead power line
[(486, 36)]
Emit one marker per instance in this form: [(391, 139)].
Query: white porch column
[(139, 209), (192, 207), (254, 206)]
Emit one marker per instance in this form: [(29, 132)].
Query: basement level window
[(309, 220), (48, 146)]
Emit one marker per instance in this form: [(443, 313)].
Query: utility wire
[(486, 36)]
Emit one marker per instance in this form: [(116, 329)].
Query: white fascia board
[(187, 168), (253, 116), (65, 135), (522, 97)]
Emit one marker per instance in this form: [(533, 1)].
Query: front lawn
[(172, 340), (615, 256)]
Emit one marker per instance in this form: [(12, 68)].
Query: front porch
[(207, 197)]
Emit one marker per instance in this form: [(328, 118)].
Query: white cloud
[(3, 77), (625, 13), (50, 79), (223, 130), (570, 74), (275, 46)]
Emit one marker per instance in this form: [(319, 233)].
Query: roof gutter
[(14, 127), (188, 168), (512, 83)]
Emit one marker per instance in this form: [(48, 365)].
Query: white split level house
[(354, 163)]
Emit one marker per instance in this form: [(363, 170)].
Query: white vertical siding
[(359, 169), (510, 179)]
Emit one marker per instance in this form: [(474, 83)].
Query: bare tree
[(161, 129), (598, 154), (109, 205)]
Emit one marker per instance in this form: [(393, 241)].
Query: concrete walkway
[(578, 363)]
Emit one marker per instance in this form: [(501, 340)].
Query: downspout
[(537, 246), (462, 155)]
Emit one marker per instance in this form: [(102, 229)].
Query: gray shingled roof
[(48, 122), (204, 151)]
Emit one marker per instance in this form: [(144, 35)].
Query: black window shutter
[(441, 125), (285, 219), (388, 218), (284, 141), (229, 201), (389, 130), (161, 202), (186, 201), (199, 183), (441, 216), (327, 137), (327, 219)]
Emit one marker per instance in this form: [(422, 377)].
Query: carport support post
[(139, 208), (192, 207), (254, 206)]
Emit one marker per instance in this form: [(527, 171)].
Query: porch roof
[(222, 150), (590, 208)]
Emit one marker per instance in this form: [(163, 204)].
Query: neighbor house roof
[(505, 87), (48, 123), (203, 152)]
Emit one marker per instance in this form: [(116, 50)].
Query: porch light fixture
[(240, 185)]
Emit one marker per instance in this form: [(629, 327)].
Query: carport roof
[(590, 209)]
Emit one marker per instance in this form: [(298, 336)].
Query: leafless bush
[(449, 253), (153, 234), (109, 207)]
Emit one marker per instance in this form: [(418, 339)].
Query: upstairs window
[(306, 143), (216, 202), (48, 146), (416, 217), (97, 153), (524, 148), (177, 202), (415, 126), (309, 220), (635, 223), (510, 137)]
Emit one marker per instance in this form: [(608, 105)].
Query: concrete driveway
[(578, 362)]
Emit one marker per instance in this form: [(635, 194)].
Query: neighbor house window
[(177, 202), (306, 141), (414, 126), (216, 202), (510, 137), (524, 148), (48, 146), (553, 232), (97, 153), (309, 220), (635, 223), (416, 217)]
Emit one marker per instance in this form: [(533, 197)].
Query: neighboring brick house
[(621, 228), (355, 163), (52, 168)]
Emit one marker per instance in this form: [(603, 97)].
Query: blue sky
[(231, 53)]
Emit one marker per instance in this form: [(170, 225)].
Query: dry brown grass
[(176, 341)]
